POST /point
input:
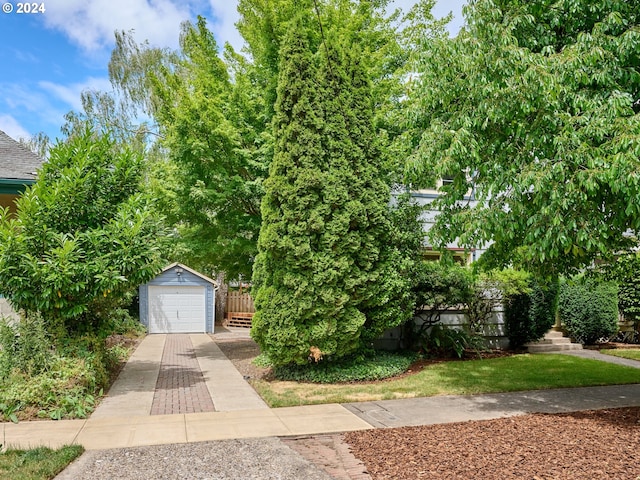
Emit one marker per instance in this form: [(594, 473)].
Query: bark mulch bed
[(581, 445)]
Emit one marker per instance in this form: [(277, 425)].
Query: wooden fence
[(239, 309)]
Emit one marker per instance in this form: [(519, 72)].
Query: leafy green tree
[(215, 109), (84, 236), (38, 144), (534, 109), (326, 278)]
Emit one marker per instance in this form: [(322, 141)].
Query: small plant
[(25, 346), (8, 412)]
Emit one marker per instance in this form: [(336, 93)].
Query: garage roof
[(198, 274)]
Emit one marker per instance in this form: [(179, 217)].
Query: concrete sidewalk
[(132, 431)]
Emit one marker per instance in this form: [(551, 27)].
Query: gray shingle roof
[(17, 162)]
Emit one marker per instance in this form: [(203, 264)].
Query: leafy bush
[(438, 287), (378, 366), (66, 390), (83, 237), (588, 308), (57, 381), (625, 271), (530, 314), (443, 342)]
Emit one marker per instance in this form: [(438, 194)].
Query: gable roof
[(197, 274), (17, 162)]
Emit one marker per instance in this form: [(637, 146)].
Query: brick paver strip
[(331, 453), (180, 387)]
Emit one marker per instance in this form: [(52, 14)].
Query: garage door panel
[(177, 309)]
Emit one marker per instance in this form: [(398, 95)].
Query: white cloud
[(223, 26), (12, 127), (91, 24), (70, 94)]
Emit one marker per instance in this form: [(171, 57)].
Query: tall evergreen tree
[(323, 278)]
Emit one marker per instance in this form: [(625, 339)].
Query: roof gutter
[(14, 186)]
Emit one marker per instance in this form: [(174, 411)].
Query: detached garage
[(178, 300)]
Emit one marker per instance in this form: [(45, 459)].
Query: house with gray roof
[(18, 167)]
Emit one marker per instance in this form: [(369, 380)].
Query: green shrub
[(588, 308), (377, 366), (83, 237), (444, 342), (66, 390), (529, 315)]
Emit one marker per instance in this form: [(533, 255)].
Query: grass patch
[(631, 353), (506, 374), (377, 366), (38, 463)]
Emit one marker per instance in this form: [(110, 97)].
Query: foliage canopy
[(84, 236), (533, 109)]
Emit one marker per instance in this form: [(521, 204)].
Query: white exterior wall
[(425, 198), (7, 312)]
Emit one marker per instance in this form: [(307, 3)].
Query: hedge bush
[(588, 307), (530, 314)]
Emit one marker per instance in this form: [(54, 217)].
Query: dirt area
[(591, 444), (241, 352)]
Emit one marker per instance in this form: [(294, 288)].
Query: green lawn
[(38, 463), (633, 354), (506, 374)]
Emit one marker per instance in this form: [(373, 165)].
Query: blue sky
[(47, 59)]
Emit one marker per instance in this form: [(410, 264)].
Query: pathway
[(180, 387)]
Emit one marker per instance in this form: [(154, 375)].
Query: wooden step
[(238, 319)]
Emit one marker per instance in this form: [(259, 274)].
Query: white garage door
[(176, 309)]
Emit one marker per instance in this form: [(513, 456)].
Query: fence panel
[(239, 302)]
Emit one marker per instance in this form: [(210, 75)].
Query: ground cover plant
[(376, 366), (505, 374), (38, 463)]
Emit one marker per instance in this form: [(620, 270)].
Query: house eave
[(14, 186)]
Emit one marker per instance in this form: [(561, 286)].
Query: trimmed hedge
[(589, 309), (528, 316)]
